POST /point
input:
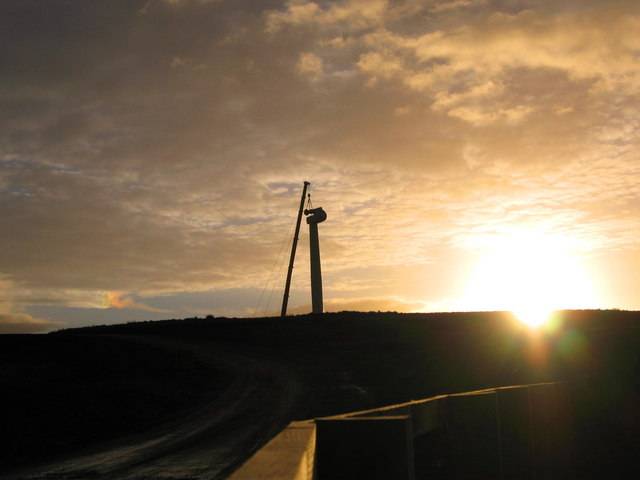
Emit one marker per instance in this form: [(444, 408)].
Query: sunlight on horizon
[(531, 274)]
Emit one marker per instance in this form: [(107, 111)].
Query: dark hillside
[(87, 386), (62, 393), (349, 359)]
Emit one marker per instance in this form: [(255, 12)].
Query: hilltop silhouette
[(164, 394)]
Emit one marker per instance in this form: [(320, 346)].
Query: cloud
[(467, 67), (593, 45), (23, 323), (377, 65), (163, 153), (456, 4), (309, 64), (295, 14), (481, 117), (13, 318), (120, 300), (180, 3), (354, 13)]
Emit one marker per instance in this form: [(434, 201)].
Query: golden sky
[(470, 154)]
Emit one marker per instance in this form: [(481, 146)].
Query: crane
[(314, 216)]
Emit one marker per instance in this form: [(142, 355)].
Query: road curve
[(208, 442)]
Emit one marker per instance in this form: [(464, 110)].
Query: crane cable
[(277, 268), (272, 277), (309, 204)]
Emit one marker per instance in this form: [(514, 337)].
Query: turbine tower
[(314, 217)]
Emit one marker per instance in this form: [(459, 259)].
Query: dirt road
[(205, 443)]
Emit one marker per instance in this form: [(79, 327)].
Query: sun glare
[(534, 317), (531, 274)]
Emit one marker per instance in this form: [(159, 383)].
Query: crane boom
[(287, 285)]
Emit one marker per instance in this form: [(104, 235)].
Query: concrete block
[(365, 447), (552, 431), (427, 416), (472, 434), (514, 421)]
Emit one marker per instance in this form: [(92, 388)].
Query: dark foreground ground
[(194, 398)]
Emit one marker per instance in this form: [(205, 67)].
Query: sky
[(470, 155)]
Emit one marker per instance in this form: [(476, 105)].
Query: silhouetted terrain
[(83, 389), (64, 392)]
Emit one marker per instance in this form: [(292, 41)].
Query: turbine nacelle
[(315, 215)]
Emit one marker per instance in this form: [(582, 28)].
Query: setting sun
[(531, 274), (533, 317)]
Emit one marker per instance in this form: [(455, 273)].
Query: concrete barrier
[(288, 456), (503, 433)]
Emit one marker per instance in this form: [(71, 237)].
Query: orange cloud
[(352, 13), (310, 64), (468, 67), (122, 300)]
